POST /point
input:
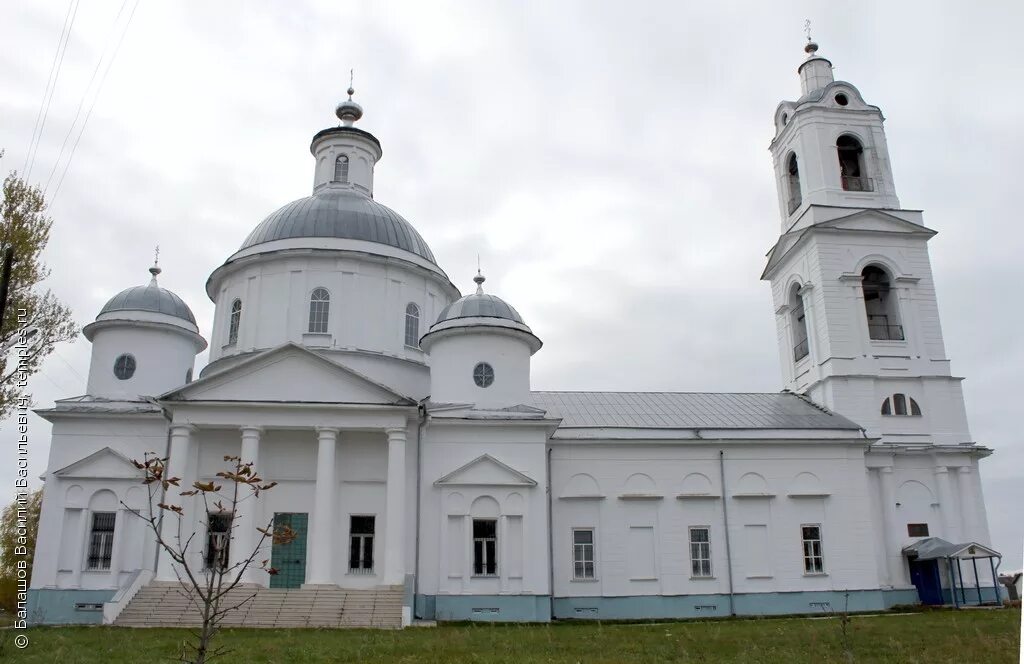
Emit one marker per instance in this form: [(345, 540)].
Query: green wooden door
[(290, 559)]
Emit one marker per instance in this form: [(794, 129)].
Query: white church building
[(413, 459)]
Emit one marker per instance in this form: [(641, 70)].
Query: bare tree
[(208, 585)]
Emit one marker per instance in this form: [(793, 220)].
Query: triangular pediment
[(874, 220), (290, 374), (102, 464), (485, 470)]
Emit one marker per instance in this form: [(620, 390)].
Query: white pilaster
[(968, 509), (120, 523), (82, 547), (893, 556), (170, 526), (394, 536), (244, 527), (947, 505), (321, 535)]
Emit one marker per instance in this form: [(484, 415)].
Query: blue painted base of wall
[(47, 606), (536, 608), (484, 608), (646, 607)]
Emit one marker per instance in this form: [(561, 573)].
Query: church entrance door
[(925, 575), (290, 559)]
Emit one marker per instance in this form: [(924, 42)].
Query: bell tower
[(855, 305)]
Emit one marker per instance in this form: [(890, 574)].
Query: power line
[(63, 48), (85, 95), (99, 89), (46, 91)]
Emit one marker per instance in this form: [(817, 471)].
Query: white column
[(893, 557), (177, 464), (321, 535), (968, 510), (244, 526), (394, 536), (947, 504)]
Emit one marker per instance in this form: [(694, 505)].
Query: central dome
[(344, 214)]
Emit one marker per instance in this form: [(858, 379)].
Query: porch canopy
[(936, 548)]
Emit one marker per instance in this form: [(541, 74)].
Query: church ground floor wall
[(56, 606)]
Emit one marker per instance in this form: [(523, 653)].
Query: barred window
[(341, 168), (360, 549), (319, 310), (485, 547), (700, 551), (814, 562), (236, 321), (101, 540), (583, 553), (218, 541), (412, 325)]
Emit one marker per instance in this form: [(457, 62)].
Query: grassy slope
[(946, 636)]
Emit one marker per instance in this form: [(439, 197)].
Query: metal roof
[(688, 410), (149, 298), (931, 548), (480, 305), (345, 214)]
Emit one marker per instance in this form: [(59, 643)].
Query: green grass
[(927, 637)]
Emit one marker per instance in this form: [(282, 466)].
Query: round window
[(124, 367), (841, 99), (483, 374), (785, 118)]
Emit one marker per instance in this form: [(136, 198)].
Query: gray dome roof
[(340, 214), (480, 304), (149, 298)]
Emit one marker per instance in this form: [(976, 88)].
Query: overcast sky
[(607, 160)]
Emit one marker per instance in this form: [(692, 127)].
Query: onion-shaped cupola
[(144, 343), (480, 350)]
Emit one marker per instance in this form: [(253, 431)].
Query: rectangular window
[(814, 563), (101, 540), (917, 530), (583, 553), (700, 551), (485, 547), (360, 545), (218, 541)]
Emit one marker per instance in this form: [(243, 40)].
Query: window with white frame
[(341, 168), (485, 547), (583, 553), (360, 547), (236, 321), (319, 310), (412, 325), (101, 540), (814, 562), (218, 540), (700, 551)]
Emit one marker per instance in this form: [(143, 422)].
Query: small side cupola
[(345, 155), (480, 350), (144, 343)]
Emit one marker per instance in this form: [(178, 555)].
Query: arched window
[(236, 321), (851, 164), (319, 310), (793, 182), (341, 168), (412, 325), (799, 322), (902, 405), (880, 305)]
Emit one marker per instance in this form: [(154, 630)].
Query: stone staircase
[(162, 604)]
